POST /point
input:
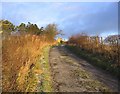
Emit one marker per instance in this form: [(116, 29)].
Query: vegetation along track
[(72, 74)]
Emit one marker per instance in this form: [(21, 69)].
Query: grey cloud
[(93, 23)]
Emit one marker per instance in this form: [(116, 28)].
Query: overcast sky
[(92, 18)]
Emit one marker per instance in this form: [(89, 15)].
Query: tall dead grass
[(19, 55), (96, 45)]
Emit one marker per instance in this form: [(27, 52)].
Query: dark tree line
[(50, 30)]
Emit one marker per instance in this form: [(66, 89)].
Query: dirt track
[(72, 74)]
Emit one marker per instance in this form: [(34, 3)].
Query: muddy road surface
[(72, 74)]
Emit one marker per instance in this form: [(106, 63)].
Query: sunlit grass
[(20, 56), (46, 75)]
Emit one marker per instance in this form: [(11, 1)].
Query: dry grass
[(96, 46), (19, 55)]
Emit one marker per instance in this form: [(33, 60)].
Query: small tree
[(32, 28), (51, 30), (40, 31), (7, 27), (22, 28)]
